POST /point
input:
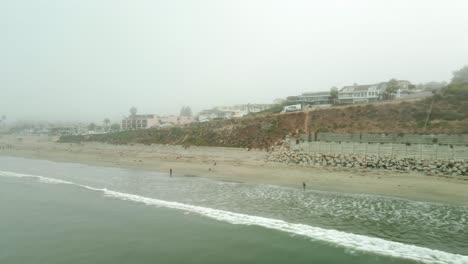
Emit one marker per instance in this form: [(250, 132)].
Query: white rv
[(292, 108)]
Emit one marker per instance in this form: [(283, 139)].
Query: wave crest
[(346, 240)]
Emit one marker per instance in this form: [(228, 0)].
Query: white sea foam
[(19, 175), (346, 240), (53, 181), (40, 178)]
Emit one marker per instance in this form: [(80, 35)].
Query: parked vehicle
[(292, 108)]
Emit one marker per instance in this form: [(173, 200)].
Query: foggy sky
[(85, 60)]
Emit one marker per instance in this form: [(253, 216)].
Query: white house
[(361, 93), (312, 98), (244, 109)]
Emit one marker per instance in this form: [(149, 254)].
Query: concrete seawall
[(418, 151), (448, 147), (428, 159), (443, 139)]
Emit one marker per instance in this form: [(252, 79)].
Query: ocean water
[(72, 213)]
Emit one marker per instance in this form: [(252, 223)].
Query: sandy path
[(243, 166)]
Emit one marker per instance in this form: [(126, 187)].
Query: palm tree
[(106, 122), (133, 111)]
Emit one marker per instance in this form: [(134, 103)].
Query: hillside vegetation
[(445, 112), (246, 132)]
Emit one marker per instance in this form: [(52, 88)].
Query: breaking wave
[(347, 240)]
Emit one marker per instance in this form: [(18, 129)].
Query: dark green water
[(45, 221)]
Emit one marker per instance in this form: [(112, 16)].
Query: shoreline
[(241, 165)]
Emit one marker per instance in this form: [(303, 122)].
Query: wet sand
[(241, 165)]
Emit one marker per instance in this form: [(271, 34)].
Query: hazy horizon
[(88, 60)]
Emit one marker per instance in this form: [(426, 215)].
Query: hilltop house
[(210, 114), (361, 93), (244, 109), (370, 93), (228, 112), (312, 98)]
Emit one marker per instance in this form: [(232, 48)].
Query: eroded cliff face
[(429, 116)]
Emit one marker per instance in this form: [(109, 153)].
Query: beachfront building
[(153, 121), (311, 98), (241, 110), (140, 122), (355, 94), (316, 98), (352, 94), (228, 112), (176, 120), (212, 114)]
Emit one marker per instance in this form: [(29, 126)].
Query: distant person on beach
[(170, 172), (303, 185)]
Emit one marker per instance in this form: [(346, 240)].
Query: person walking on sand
[(303, 185), (170, 172)]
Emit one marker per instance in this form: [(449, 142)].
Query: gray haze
[(89, 59)]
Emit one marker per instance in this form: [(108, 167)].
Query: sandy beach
[(241, 165)]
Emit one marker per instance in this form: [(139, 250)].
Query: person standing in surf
[(170, 172), (303, 185)]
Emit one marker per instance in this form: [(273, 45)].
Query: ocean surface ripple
[(320, 216)]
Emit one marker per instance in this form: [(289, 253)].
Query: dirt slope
[(447, 115)]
